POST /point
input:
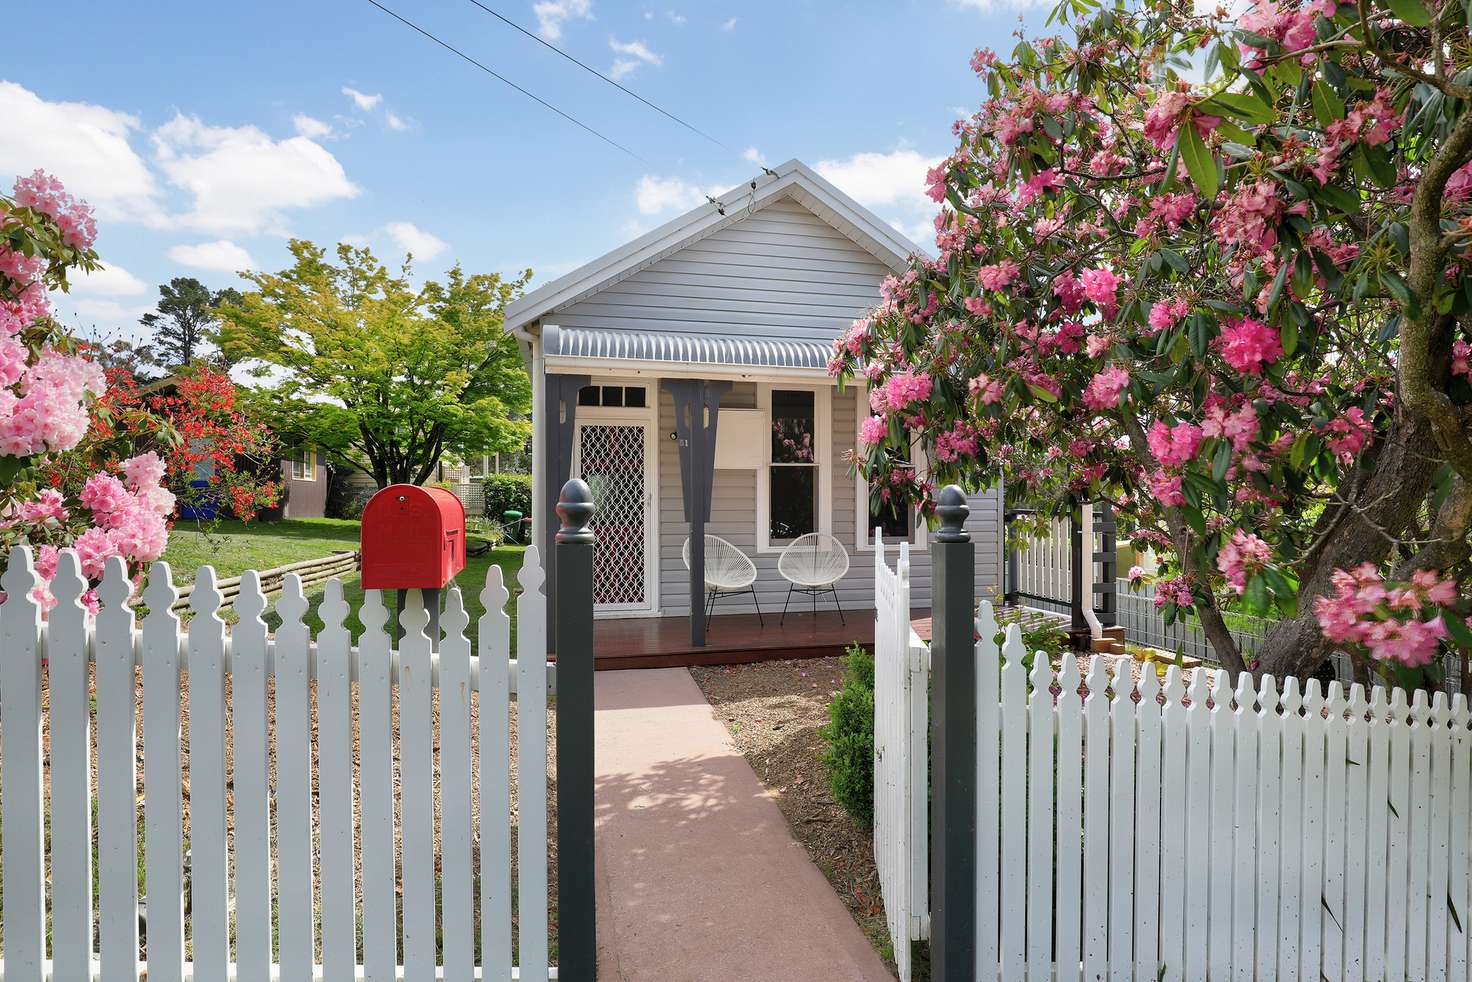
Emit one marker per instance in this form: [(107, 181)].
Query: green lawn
[(233, 547)]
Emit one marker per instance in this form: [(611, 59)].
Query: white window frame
[(822, 453), (863, 534), (308, 460)]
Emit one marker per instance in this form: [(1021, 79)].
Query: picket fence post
[(573, 606), (953, 807)]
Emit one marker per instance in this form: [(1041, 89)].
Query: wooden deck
[(664, 642)]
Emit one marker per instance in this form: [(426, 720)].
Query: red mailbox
[(413, 538)]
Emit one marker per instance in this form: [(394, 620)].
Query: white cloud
[(635, 53), (362, 100), (657, 194), (676, 18), (395, 121), (86, 146), (222, 256), (242, 180), (102, 310), (413, 239), (729, 24), (111, 280), (552, 14), (754, 155), (880, 180), (311, 127)]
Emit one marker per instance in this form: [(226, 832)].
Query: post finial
[(575, 509), (953, 510)]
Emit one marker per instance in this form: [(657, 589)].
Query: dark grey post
[(1107, 606), (697, 414), (559, 426), (953, 745), (573, 606), (1010, 595)]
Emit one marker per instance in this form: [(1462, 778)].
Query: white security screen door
[(613, 457)]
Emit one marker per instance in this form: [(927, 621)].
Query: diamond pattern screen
[(611, 460)]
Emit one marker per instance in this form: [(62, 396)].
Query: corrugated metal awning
[(700, 349)]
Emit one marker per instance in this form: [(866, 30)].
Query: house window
[(792, 485), (894, 521), (304, 464), (613, 396)]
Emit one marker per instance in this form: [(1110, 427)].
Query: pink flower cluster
[(1167, 313), (986, 389), (873, 430), (999, 276), (1104, 388), (1387, 620), (50, 413), (131, 519), (1101, 286), (1248, 345), (902, 389), (1250, 219), (1174, 446), (1347, 435), (44, 193), (1173, 591), (1242, 554)]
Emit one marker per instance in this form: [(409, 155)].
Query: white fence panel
[(901, 710), (1215, 831), (306, 694)]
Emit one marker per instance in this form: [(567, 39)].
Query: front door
[(613, 456)]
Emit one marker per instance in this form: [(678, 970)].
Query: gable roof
[(793, 179)]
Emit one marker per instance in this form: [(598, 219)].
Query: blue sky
[(207, 134)]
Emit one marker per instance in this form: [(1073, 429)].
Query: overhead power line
[(591, 70), (501, 78)]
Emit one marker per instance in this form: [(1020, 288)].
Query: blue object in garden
[(198, 505)]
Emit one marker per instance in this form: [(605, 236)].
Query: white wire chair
[(728, 571), (813, 564)]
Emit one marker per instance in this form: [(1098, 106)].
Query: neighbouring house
[(684, 377), (304, 481)]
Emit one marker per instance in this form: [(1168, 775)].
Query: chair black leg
[(841, 619), (785, 603), (756, 603)]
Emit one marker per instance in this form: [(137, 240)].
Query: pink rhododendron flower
[(1241, 555), (1363, 611), (873, 430), (1248, 345), (1176, 445), (1167, 489), (1135, 574), (1167, 313), (1173, 591), (1104, 388), (986, 389), (48, 506), (144, 471), (1348, 434), (1101, 286), (905, 388), (999, 276)]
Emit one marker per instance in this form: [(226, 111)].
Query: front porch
[(664, 642)]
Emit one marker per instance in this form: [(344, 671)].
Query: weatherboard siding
[(780, 272), (733, 517)]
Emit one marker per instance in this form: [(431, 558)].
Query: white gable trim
[(794, 180)]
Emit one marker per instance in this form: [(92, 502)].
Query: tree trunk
[(1379, 511)]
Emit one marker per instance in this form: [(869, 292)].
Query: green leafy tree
[(386, 376), (186, 318)]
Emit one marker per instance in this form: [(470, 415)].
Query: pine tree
[(184, 322)]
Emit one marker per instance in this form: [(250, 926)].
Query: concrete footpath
[(698, 876)]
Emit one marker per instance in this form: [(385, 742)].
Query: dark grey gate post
[(573, 606), (953, 745)]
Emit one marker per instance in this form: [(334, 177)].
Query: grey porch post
[(560, 411), (953, 743), (697, 406), (572, 603)]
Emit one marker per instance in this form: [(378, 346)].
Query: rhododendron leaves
[(1200, 163), (1240, 104), (1410, 11)]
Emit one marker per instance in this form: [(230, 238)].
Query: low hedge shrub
[(849, 738)]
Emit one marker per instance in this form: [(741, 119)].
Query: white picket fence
[(275, 918), (1203, 831), (901, 721)]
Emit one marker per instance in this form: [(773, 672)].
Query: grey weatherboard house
[(684, 377)]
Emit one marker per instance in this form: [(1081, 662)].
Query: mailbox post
[(413, 538)]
